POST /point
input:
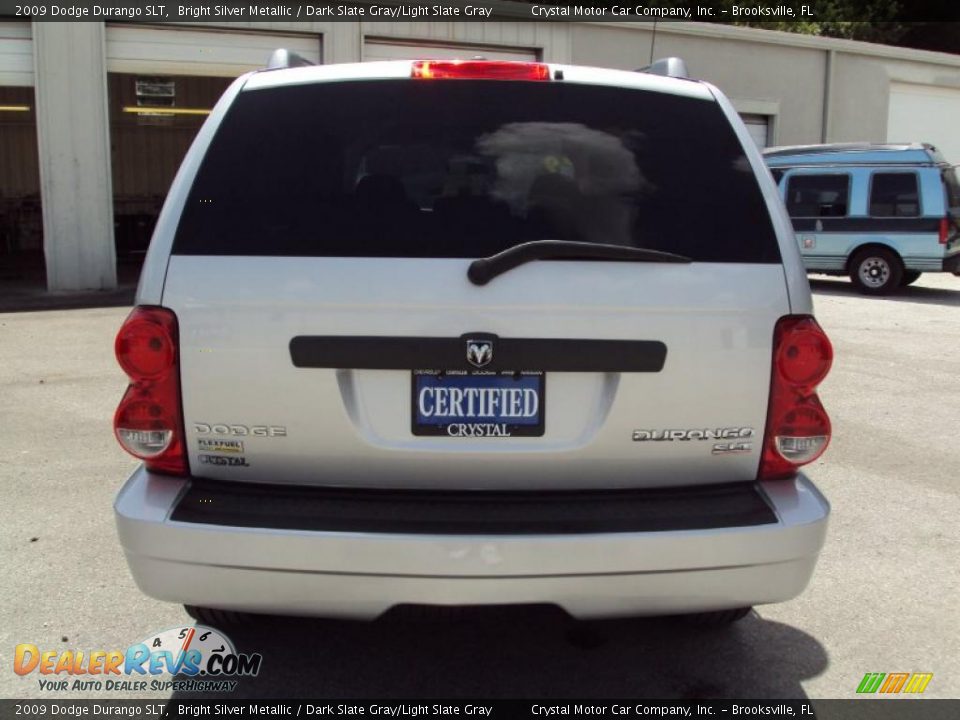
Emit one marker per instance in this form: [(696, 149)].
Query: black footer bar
[(194, 707)]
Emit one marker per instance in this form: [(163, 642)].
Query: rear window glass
[(953, 188), (818, 195), (463, 169), (894, 195)]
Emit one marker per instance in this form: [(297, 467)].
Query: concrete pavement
[(883, 599)]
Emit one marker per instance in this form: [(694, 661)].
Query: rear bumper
[(937, 263), (952, 264), (362, 574)]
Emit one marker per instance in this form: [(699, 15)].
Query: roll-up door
[(16, 54), (759, 128), (21, 217), (176, 51), (925, 113)]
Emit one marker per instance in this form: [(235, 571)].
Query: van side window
[(894, 195), (818, 195)]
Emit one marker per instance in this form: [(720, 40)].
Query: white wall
[(813, 88), (926, 113)]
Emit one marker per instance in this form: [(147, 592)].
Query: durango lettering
[(706, 434)]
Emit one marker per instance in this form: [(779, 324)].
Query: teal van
[(882, 214)]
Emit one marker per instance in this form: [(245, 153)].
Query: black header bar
[(720, 11)]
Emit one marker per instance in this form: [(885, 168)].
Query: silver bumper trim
[(361, 575)]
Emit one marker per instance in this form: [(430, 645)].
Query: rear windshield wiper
[(484, 270)]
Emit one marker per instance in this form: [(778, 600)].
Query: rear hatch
[(330, 334), (950, 234)]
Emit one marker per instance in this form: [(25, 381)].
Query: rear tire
[(218, 618), (717, 618), (876, 271), (909, 277)]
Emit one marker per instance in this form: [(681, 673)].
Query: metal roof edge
[(779, 37)]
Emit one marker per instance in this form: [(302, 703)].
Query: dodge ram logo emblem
[(479, 352)]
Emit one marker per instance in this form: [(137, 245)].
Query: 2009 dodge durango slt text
[(472, 332)]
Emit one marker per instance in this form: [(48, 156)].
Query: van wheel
[(876, 271), (909, 277), (717, 618), (217, 618)]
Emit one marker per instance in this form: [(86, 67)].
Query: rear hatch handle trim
[(356, 352)]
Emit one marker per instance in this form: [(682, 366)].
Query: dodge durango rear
[(457, 333)]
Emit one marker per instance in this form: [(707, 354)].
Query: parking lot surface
[(883, 599)]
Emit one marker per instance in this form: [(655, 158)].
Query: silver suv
[(455, 333)]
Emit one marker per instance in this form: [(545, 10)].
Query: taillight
[(798, 429), (944, 230), (479, 70), (149, 421)]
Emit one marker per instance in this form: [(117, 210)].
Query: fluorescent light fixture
[(14, 108), (160, 110)]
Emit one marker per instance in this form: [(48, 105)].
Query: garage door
[(16, 54), (758, 127), (925, 113), (374, 49), (168, 51)]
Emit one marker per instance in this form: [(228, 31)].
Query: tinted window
[(953, 188), (468, 168), (818, 195), (894, 195)]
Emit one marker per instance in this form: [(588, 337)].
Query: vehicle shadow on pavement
[(910, 294), (523, 652)]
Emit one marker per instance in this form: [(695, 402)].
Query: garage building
[(95, 117)]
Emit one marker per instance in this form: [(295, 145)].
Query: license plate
[(478, 404)]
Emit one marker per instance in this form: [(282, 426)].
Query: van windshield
[(467, 169)]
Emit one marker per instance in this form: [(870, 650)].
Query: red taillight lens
[(803, 353), (944, 230), (144, 346), (149, 421), (798, 429), (479, 70)]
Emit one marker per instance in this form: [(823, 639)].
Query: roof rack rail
[(668, 67), (283, 58), (843, 147)]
